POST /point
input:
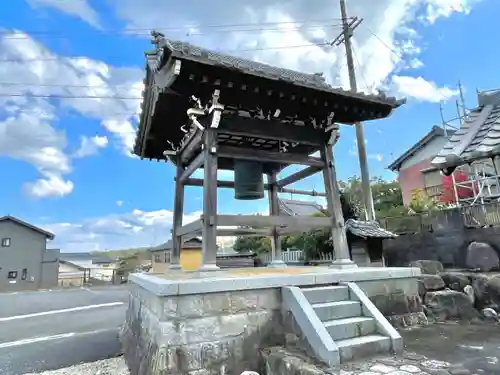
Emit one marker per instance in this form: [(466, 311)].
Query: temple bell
[(248, 180)]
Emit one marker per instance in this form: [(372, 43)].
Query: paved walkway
[(439, 349)]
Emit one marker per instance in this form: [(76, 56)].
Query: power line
[(62, 85), (49, 96), (187, 27), (399, 56), (121, 57), (16, 36), (359, 68)]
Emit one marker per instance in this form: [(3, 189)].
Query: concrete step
[(322, 294), (337, 310), (363, 346), (346, 328)]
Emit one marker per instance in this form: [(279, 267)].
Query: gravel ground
[(114, 366)]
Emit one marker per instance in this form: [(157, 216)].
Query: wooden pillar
[(209, 229), (339, 237), (177, 221), (274, 210)]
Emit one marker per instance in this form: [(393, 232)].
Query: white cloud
[(45, 85), (119, 203), (78, 8), (422, 89), (50, 186), (29, 137), (90, 145), (445, 8), (386, 43), (116, 231)]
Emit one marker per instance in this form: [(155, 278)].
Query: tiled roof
[(363, 229), (436, 131), (477, 138), (299, 208), (367, 229), (49, 235), (193, 243), (85, 256), (183, 50)]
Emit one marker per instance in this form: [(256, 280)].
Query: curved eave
[(447, 164), (166, 51)]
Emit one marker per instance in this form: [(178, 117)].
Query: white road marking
[(51, 312), (35, 340)]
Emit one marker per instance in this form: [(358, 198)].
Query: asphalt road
[(47, 330)]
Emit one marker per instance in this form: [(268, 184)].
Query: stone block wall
[(397, 299), (200, 334), (225, 332), (447, 245)]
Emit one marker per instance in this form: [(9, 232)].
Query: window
[(24, 274), (432, 178), (5, 242), (433, 182), (158, 258), (167, 256), (12, 275)]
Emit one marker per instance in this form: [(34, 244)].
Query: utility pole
[(462, 101), (348, 26)]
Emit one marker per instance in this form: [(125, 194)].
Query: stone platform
[(218, 322)]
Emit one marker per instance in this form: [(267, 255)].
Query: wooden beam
[(228, 232), (191, 168), (209, 222), (230, 185), (271, 129), (199, 182), (268, 156), (256, 221), (274, 210), (177, 221), (339, 237), (302, 192), (300, 175), (191, 146)]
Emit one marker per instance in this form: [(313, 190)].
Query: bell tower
[(204, 109)]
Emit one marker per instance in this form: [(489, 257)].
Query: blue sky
[(70, 72)]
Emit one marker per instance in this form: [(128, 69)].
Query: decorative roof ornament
[(157, 38), (478, 137)]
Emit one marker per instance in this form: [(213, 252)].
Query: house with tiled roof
[(364, 237), (25, 261), (414, 167)]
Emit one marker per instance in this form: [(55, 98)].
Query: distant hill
[(142, 253)]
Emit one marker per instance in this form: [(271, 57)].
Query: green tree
[(387, 196), (421, 203), (319, 240), (313, 242), (257, 244)]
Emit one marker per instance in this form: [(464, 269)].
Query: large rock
[(480, 284), (429, 267), (455, 280), (493, 290), (481, 256), (450, 304), (430, 283)]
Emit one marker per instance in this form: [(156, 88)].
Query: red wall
[(411, 178)]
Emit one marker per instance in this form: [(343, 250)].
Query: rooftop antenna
[(462, 100)]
